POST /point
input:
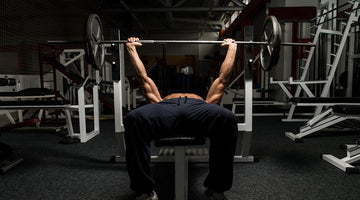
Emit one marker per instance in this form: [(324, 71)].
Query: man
[(181, 113)]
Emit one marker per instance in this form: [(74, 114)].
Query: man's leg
[(223, 139), (220, 126), (141, 127), (138, 156)]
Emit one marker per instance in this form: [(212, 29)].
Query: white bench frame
[(321, 121), (83, 135), (352, 156)]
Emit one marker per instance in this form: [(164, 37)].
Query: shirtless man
[(184, 113)]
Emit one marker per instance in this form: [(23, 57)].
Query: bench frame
[(81, 107), (321, 121), (352, 156)]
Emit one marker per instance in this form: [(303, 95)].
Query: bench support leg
[(181, 174)]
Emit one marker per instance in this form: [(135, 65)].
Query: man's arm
[(217, 89), (148, 86)]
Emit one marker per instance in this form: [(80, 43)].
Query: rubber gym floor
[(284, 170)]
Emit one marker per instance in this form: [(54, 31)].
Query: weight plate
[(269, 54), (94, 48)]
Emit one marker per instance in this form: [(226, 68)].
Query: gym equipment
[(8, 160), (272, 42), (95, 48), (352, 150), (340, 37), (7, 81), (95, 51), (32, 93), (327, 118), (180, 160), (269, 54)]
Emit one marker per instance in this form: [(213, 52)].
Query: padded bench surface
[(347, 109), (28, 92), (34, 103), (179, 141), (325, 100)]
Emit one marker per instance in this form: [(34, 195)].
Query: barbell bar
[(269, 54), (202, 42)]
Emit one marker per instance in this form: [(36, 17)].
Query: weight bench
[(181, 161), (353, 150), (83, 135), (9, 161), (328, 117), (258, 102)]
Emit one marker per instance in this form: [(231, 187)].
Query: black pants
[(185, 116)]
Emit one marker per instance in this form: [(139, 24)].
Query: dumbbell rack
[(326, 16)]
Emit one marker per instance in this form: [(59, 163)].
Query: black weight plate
[(269, 54), (94, 48)]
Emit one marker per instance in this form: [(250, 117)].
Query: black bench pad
[(34, 103), (325, 100), (28, 92), (347, 109), (179, 141)]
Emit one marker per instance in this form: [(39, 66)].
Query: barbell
[(269, 53)]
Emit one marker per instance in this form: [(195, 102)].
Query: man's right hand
[(228, 42), (133, 42)]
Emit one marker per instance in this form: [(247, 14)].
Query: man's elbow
[(224, 81)]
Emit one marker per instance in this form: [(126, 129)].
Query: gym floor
[(284, 170)]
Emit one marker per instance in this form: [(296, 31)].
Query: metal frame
[(6, 165), (95, 44), (259, 103), (200, 42), (19, 108), (321, 121), (189, 42), (83, 135), (352, 156), (302, 83)]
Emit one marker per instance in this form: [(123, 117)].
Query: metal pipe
[(239, 3), (183, 42), (329, 11), (179, 3), (204, 42), (178, 9)]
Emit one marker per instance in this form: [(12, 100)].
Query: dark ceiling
[(167, 15)]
